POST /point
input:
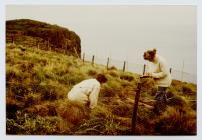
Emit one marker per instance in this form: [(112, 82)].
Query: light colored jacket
[(160, 72), (85, 91)]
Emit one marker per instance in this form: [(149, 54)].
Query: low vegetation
[(37, 83)]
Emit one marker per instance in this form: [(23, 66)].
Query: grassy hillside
[(37, 83), (32, 33)]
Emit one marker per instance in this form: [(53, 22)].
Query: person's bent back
[(87, 91)]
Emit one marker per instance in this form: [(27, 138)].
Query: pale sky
[(125, 32)]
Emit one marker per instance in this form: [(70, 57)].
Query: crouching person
[(86, 92), (160, 72)]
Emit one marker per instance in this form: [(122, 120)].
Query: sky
[(124, 32)]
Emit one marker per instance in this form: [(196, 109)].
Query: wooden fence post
[(83, 57), (135, 107), (124, 66), (170, 70), (107, 63), (144, 68), (93, 59)]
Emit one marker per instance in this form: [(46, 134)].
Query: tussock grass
[(37, 83), (72, 111), (176, 121)]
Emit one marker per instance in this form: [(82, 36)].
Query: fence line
[(137, 68), (124, 65)]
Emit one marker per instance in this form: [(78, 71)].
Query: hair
[(101, 78), (150, 55)]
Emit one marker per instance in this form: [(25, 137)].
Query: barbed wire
[(138, 68)]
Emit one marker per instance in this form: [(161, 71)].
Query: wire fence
[(128, 66), (137, 68)]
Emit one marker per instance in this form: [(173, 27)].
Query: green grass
[(37, 83)]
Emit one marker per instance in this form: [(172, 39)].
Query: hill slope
[(43, 35), (37, 83)]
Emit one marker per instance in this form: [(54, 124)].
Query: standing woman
[(159, 71)]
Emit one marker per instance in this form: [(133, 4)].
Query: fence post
[(124, 66), (93, 59), (144, 68), (83, 57), (170, 70), (135, 107), (107, 63)]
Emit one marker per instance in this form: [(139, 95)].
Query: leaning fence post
[(144, 68), (135, 108), (124, 66), (93, 59), (107, 63)]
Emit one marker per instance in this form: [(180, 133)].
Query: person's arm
[(93, 97), (162, 73)]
